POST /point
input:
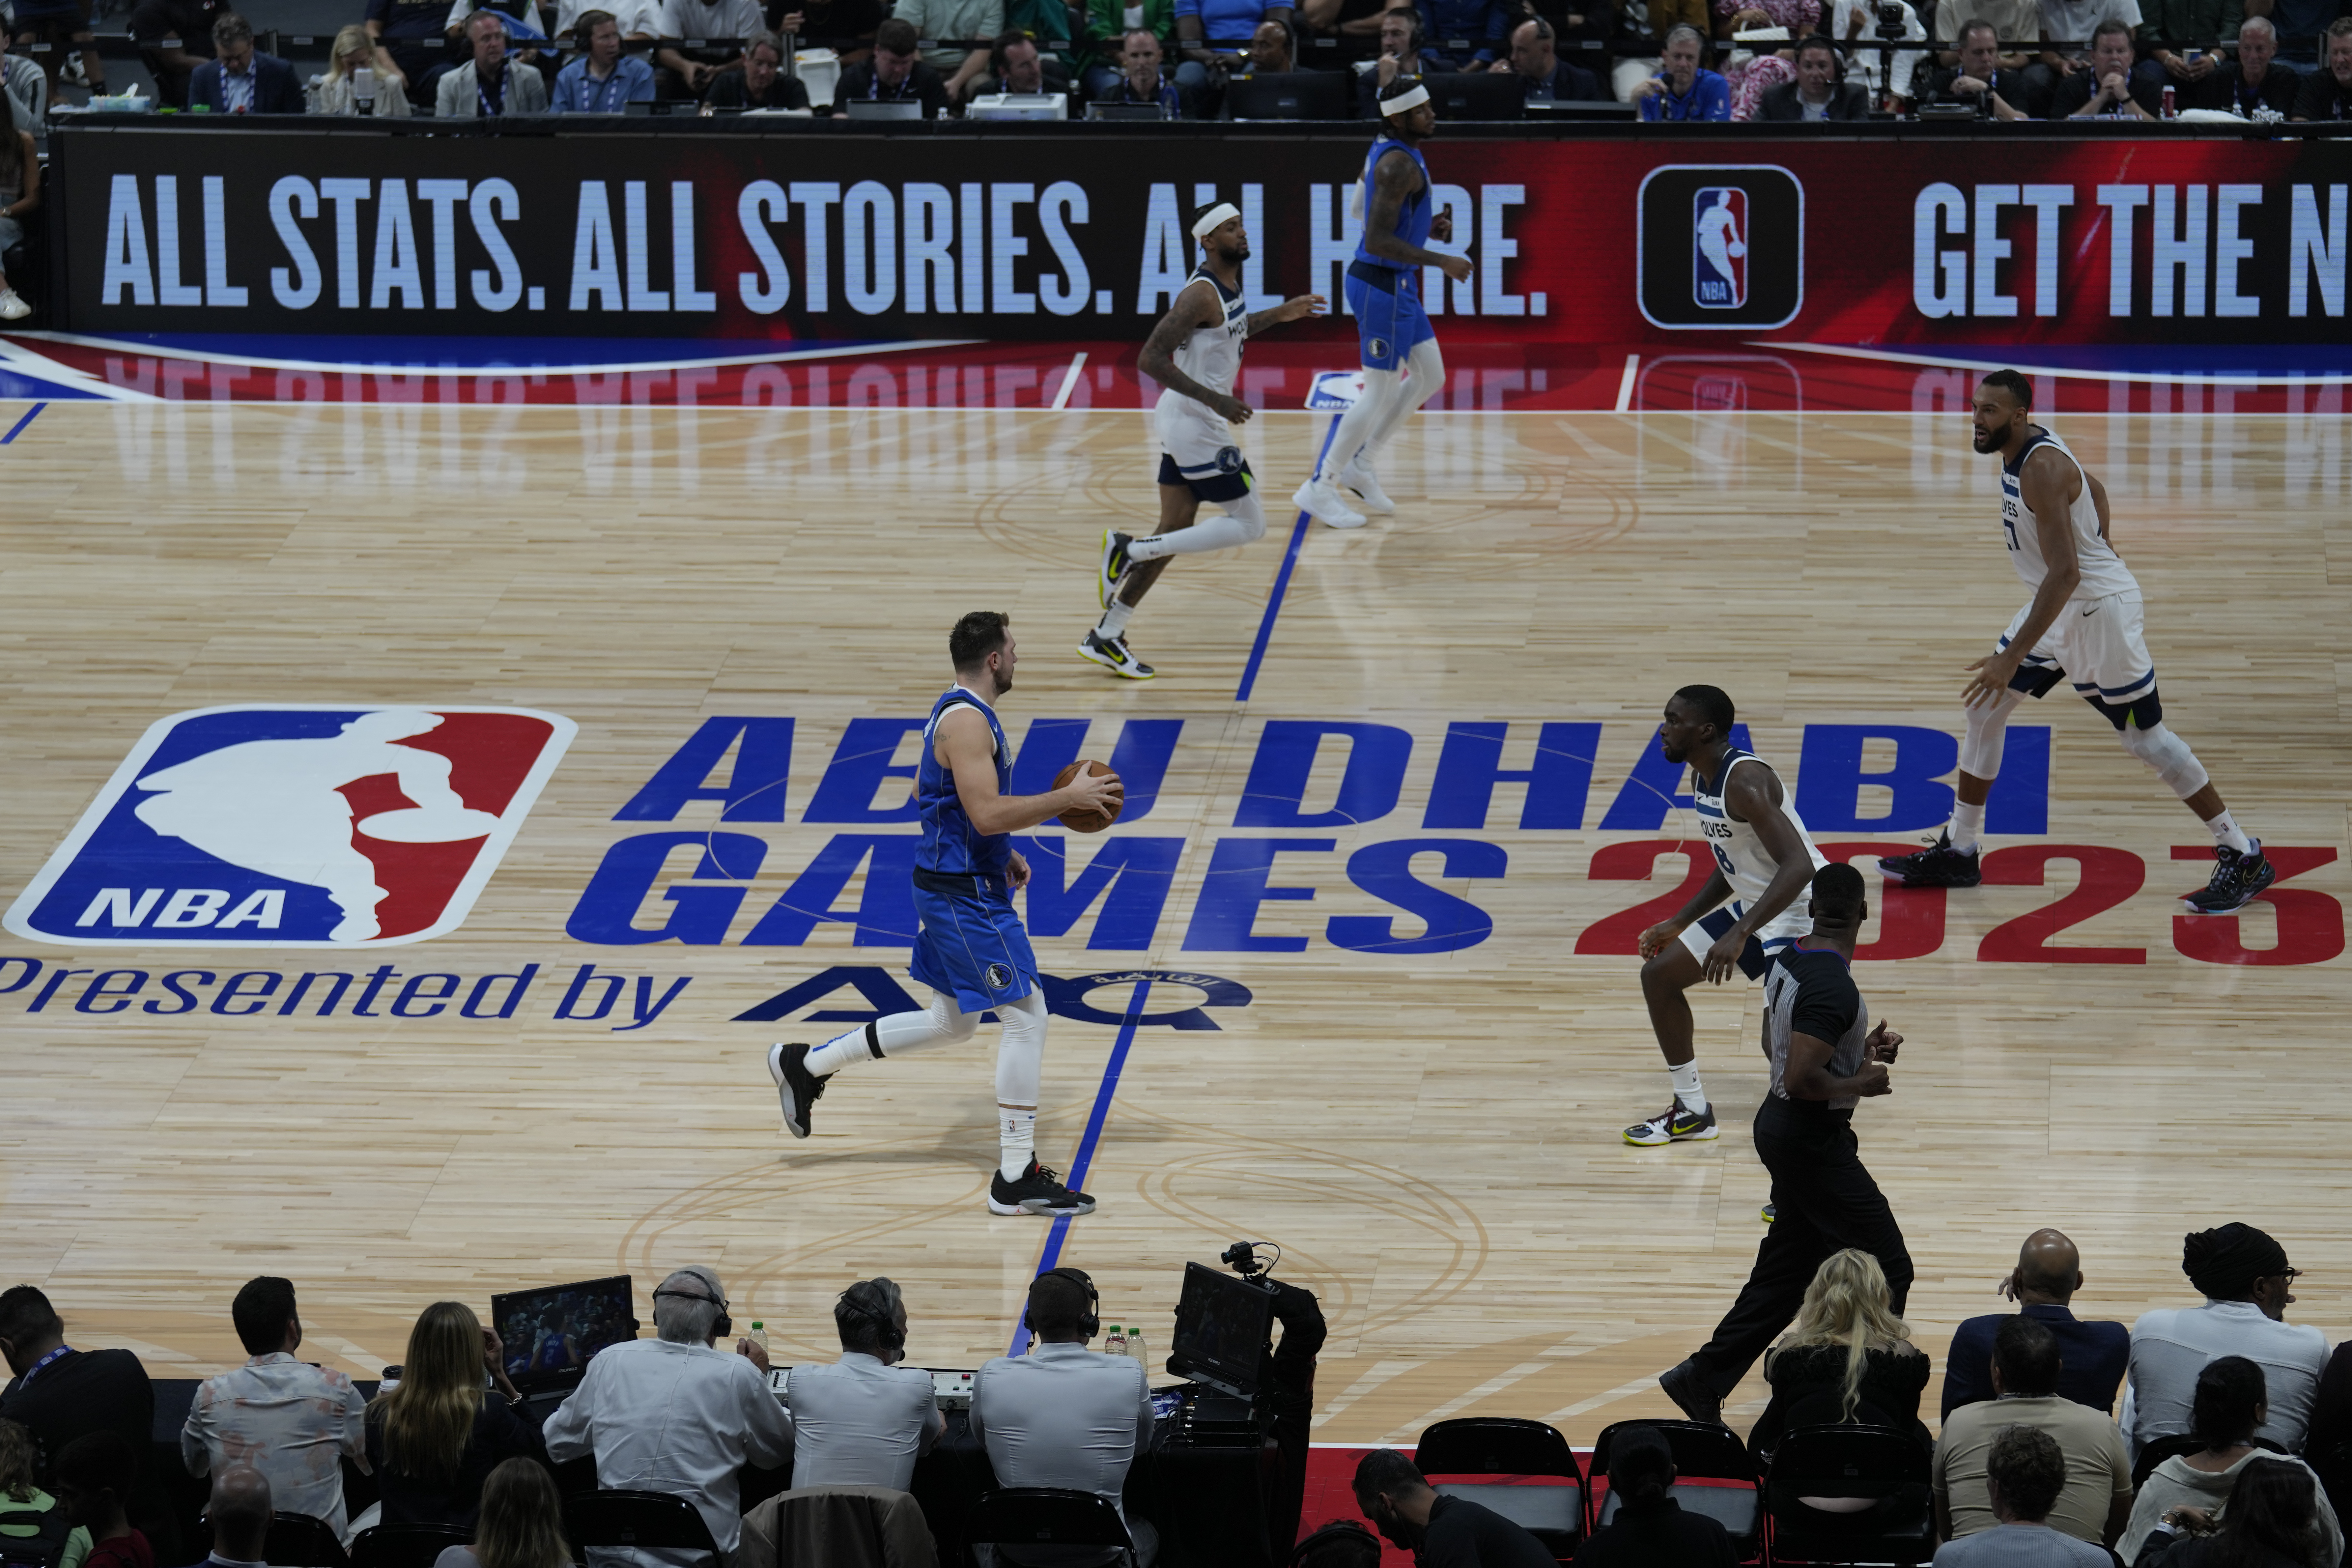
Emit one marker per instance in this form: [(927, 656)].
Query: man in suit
[(61, 1394), (240, 79), (1544, 76), (2049, 1271), (1817, 93), (489, 84)]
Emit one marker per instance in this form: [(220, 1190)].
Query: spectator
[(2013, 21), (189, 23), (2327, 1445), (521, 1524), (293, 1422), (1752, 75), (1342, 1544), (2304, 19), (1402, 53), (1212, 34), (1545, 78), (1682, 89), (959, 23), (2246, 1280), (408, 42), (240, 79), (1063, 1415), (674, 1414), (1104, 29), (762, 83), (1847, 1357), (1485, 25), (1017, 65), (1820, 91), (2327, 93), (864, 1420), (1664, 15), (1854, 25), (522, 17), (489, 84), (2229, 1415), (60, 24), (2024, 1473), (2166, 25), (1046, 23), (603, 77), (2253, 82), (436, 1438), (639, 21), (94, 1474), (2272, 1523), (338, 91), (26, 89), (2072, 23), (893, 76), (61, 1394), (1272, 50), (2096, 1500), (2110, 89), (240, 1514), (846, 27), (33, 1524), (718, 23), (1650, 1530), (1439, 1531), (2049, 1269), (20, 193), (1141, 82)]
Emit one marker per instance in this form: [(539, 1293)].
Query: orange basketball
[(1084, 821)]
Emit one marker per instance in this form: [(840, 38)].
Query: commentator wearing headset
[(1064, 1415), (864, 1420), (675, 1414)]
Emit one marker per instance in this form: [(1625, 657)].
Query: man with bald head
[(2093, 1355), (240, 1513)]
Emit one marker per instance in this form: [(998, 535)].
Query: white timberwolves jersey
[(1740, 855), (2104, 572), (1212, 355)]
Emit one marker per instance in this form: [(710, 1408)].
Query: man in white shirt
[(952, 20), (864, 1420), (725, 24), (292, 1421), (674, 1414), (1064, 1415), (2246, 1281)]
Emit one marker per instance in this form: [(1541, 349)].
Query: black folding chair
[(1041, 1516), (299, 1541), (1703, 1454), (1499, 1446), (1884, 1466), (636, 1518), (398, 1545)]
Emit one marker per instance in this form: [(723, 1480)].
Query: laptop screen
[(552, 1333)]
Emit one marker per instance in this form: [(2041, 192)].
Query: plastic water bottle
[(1134, 1349), (758, 1336), (1114, 1342)]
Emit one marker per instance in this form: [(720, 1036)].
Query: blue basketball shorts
[(971, 944), (1389, 322)]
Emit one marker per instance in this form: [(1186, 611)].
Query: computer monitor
[(1472, 95), (1292, 95), (552, 1333), (1224, 1331), (1126, 111), (883, 109)]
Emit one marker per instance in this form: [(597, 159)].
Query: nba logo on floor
[(283, 824), (1719, 247)]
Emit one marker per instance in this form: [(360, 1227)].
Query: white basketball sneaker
[(1358, 476), (1316, 498)]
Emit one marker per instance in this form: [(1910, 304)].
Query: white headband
[(1216, 218), (1414, 99)]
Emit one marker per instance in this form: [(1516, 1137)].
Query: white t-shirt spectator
[(2171, 1346), (711, 19), (638, 18), (2074, 21)]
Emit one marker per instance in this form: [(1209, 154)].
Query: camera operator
[(1978, 78)]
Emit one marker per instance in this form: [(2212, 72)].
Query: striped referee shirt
[(1811, 991)]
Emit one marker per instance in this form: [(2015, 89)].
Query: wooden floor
[(1432, 1138)]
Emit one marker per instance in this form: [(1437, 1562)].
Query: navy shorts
[(971, 946)]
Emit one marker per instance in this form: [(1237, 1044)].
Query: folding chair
[(1498, 1446)]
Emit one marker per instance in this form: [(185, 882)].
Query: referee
[(1825, 1058)]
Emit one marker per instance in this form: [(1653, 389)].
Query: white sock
[(1016, 1140), (1967, 825), (2227, 834), (900, 1034), (1114, 619), (1686, 1085)]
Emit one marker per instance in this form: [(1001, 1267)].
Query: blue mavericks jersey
[(950, 843), (1414, 217)]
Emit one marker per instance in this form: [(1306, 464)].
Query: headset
[(1837, 56), (719, 1330), (892, 1338), (1091, 1324)]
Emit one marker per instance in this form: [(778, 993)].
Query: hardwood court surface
[(1432, 1137)]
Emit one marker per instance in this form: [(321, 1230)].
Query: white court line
[(1625, 384), (1956, 362), (44, 368), (1062, 398), (388, 367)]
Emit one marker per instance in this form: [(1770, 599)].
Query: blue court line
[(1281, 579), (18, 428), (1088, 1142)]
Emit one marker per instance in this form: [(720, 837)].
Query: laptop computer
[(884, 109)]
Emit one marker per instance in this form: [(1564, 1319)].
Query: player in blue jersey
[(1402, 369), (971, 950)]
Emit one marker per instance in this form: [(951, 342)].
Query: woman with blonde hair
[(1847, 1358), (454, 1418), (522, 1524), (337, 92)]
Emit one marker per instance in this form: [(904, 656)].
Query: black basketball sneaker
[(2237, 877), (796, 1086), (1938, 866), (1114, 655), (1674, 1125), (1039, 1191)]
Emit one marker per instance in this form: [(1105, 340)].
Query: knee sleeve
[(2169, 754), (941, 1024), (1425, 378), (1360, 425), (1249, 514), (1987, 732), (1021, 1050)]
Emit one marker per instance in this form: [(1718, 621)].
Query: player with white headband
[(1384, 291), (1195, 353)]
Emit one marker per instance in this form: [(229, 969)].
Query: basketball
[(1088, 821)]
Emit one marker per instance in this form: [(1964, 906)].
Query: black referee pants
[(1825, 1202)]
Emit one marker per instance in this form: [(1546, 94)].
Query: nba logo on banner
[(1719, 247), (286, 824)]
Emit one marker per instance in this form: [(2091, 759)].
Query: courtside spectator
[(20, 193), (293, 1422), (2049, 1271), (1683, 90), (639, 20), (239, 1513), (2247, 1281), (1981, 81), (1818, 93), (1543, 75), (893, 75), (521, 1525), (93, 1475), (338, 91), (1626, 76), (2299, 20), (409, 43), (1650, 1530), (1402, 53), (2180, 41), (1140, 81), (2327, 1444), (2110, 89), (675, 1414), (2254, 81), (2097, 1498), (33, 1524), (717, 23), (1847, 1358), (604, 77), (240, 79), (2327, 93), (26, 89), (846, 27), (1405, 1508), (762, 83), (2024, 1474), (61, 24), (2272, 1523), (1104, 29), (489, 84), (1483, 25), (2074, 24), (962, 26), (1272, 50), (61, 1394), (1064, 1415), (864, 1420), (434, 1439), (1017, 65), (189, 24), (522, 17), (1752, 74), (1213, 34), (2229, 1414), (2017, 26)]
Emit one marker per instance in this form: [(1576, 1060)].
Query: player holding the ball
[(971, 950)]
